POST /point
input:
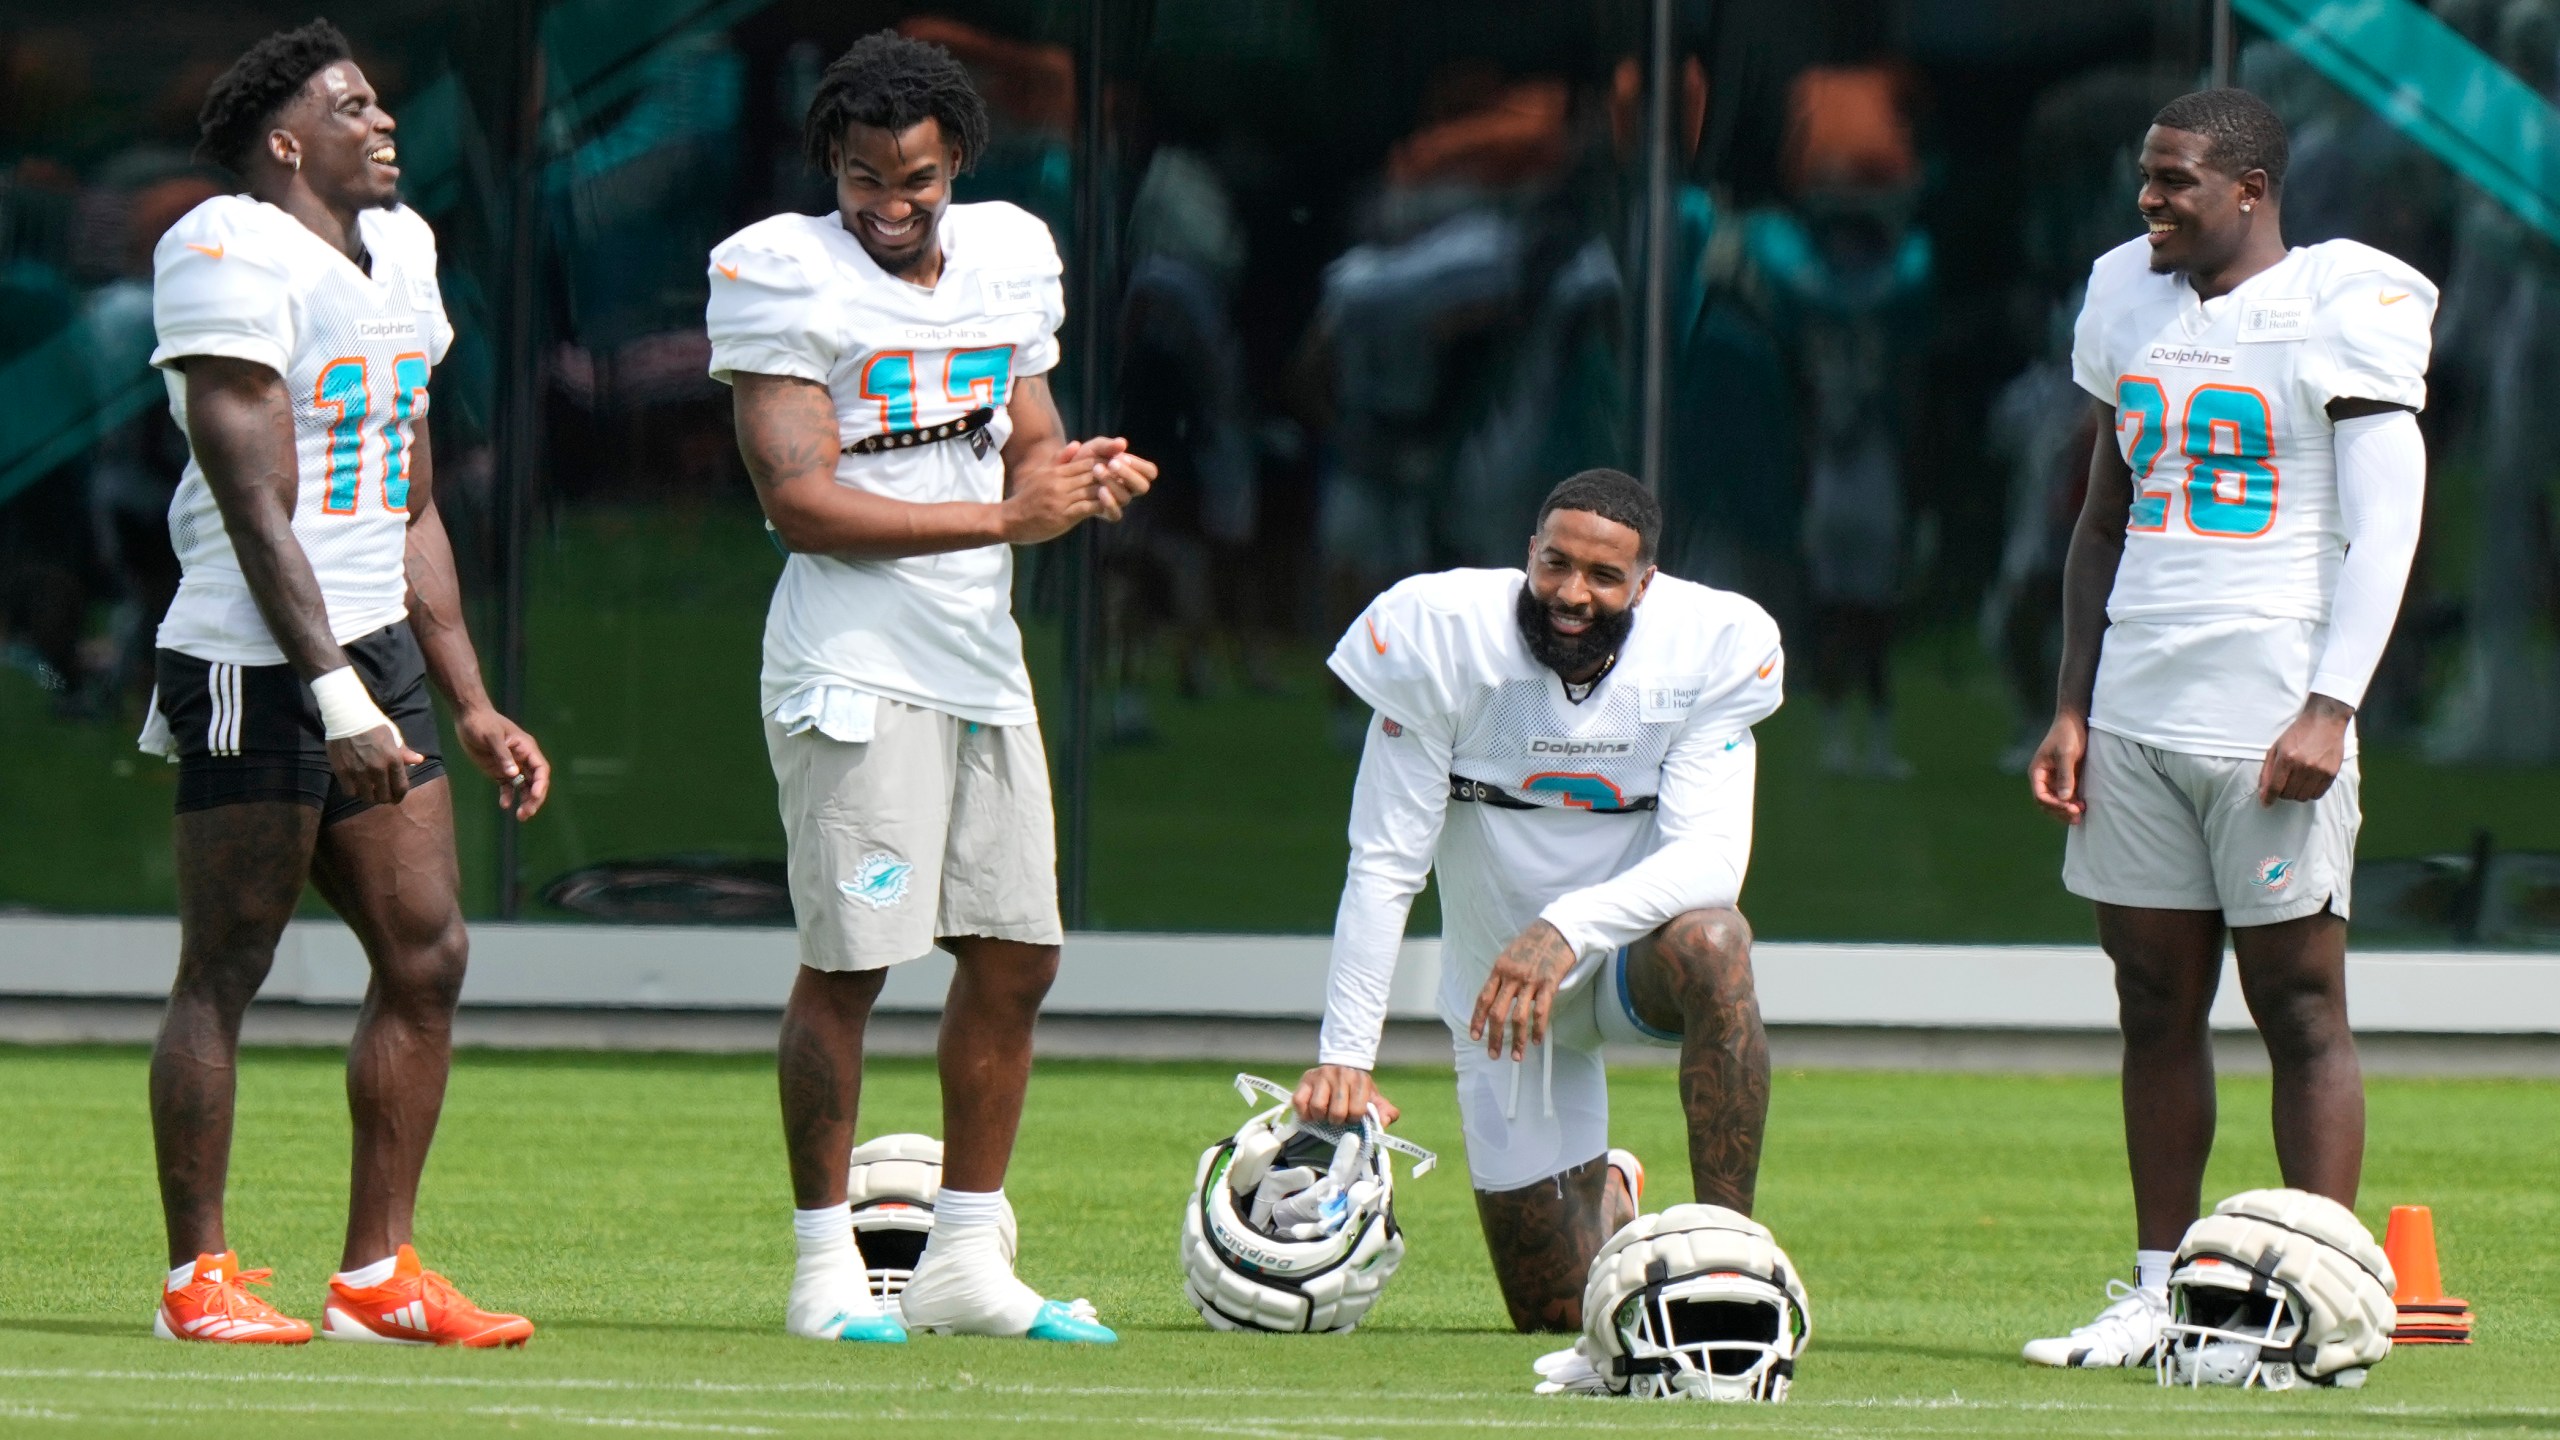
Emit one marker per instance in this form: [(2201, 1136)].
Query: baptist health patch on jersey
[(1012, 292), (1671, 699), (2263, 321)]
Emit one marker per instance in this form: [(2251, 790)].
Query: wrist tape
[(346, 707)]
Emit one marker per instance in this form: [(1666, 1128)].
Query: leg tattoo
[(1542, 1238), (1694, 975), (819, 1065)]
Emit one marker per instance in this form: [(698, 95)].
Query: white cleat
[(2127, 1332), (834, 1302), (1568, 1372), (966, 1286)]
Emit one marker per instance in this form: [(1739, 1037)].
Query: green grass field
[(635, 1207)]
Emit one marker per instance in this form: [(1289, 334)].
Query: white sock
[(824, 1233), (2151, 1270), (182, 1277), (365, 1277), (959, 1211)]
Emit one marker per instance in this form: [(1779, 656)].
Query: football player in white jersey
[(1570, 750), (889, 364), (2231, 582), (298, 324)]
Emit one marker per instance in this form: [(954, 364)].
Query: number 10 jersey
[(2234, 539), (241, 279)]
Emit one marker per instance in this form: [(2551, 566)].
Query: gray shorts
[(2172, 831), (934, 827)]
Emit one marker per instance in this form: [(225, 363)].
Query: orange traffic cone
[(2428, 1316)]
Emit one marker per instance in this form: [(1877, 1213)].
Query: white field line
[(887, 1389), (12, 1411)]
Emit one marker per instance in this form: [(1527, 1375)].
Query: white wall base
[(1958, 987)]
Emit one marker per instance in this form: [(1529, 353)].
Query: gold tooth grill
[(969, 424)]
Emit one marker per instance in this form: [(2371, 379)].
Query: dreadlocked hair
[(260, 83), (2243, 132), (890, 82), (1611, 495)]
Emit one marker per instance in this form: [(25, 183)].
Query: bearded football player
[(2253, 509), (299, 323), (1570, 749), (889, 366)]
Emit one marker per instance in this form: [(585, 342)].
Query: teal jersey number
[(408, 387), (2141, 404), (2230, 445), (342, 388), (970, 378), (2228, 439)]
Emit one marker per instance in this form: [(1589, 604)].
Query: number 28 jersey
[(2233, 544), (239, 278)]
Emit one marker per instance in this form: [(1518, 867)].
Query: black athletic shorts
[(248, 733)]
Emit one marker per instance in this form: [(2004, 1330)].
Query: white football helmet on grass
[(1290, 1225), (2275, 1288), (894, 1181), (1697, 1302)]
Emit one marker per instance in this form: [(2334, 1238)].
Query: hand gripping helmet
[(1290, 1224), (892, 1188), (1697, 1302), (2273, 1288)]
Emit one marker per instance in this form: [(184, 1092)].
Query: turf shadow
[(47, 1326)]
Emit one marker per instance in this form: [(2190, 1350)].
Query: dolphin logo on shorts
[(2274, 873), (880, 881)]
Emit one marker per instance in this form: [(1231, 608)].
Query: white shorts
[(1556, 1119), (936, 826), (2171, 831)]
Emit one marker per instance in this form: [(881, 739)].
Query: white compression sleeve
[(1396, 809), (2382, 492)]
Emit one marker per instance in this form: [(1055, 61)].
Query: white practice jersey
[(2221, 604), (797, 295), (1606, 818), (242, 279)]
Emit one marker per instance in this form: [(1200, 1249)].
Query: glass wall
[(97, 125), (1365, 280)]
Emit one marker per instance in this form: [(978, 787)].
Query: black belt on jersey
[(1477, 792), (969, 424)]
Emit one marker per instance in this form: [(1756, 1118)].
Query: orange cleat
[(217, 1306), (416, 1306)]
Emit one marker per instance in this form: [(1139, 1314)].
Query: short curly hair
[(246, 97), (2243, 133), (1611, 495), (890, 82)]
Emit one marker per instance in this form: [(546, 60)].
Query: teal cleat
[(873, 1330), (1070, 1325)]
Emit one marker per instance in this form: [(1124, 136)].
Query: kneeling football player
[(1571, 750)]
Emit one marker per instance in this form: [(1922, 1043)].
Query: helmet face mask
[(2273, 1290), (1695, 1303), (891, 1187), (1718, 1336), (2228, 1327)]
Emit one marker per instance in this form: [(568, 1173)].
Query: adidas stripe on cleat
[(416, 1306), (215, 1306)]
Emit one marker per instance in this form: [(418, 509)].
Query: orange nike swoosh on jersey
[(213, 250), (2390, 299), (729, 270), (1374, 642), (1768, 667)]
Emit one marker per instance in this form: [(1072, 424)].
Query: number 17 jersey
[(2233, 543)]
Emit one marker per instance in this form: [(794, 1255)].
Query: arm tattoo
[(786, 427), (1542, 1238)]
